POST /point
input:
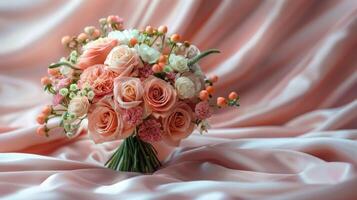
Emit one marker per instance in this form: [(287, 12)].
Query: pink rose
[(105, 123), (99, 79), (123, 60), (96, 53), (159, 96), (128, 92), (178, 124)]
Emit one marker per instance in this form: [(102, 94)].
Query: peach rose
[(105, 123), (128, 92), (99, 79), (123, 60), (178, 124), (159, 96), (96, 52)]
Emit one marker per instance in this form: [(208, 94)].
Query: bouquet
[(141, 87)]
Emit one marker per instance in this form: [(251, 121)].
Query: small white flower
[(178, 63), (185, 87), (124, 36), (148, 54), (73, 87), (72, 95), (90, 95), (63, 92)]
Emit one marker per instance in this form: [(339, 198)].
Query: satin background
[(293, 63)]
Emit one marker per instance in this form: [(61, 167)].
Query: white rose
[(124, 36), (185, 88), (79, 106), (178, 63), (148, 54)]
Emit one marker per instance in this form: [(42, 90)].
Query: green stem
[(202, 55), (55, 65), (134, 155), (154, 40)]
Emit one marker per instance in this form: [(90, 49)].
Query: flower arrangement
[(139, 86)]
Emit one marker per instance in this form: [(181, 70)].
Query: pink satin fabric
[(294, 64)]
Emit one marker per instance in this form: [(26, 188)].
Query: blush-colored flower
[(123, 60), (105, 123), (150, 130), (203, 110), (57, 99), (128, 92), (96, 52), (99, 79), (178, 124), (79, 106), (62, 83), (159, 96), (145, 71), (133, 116)]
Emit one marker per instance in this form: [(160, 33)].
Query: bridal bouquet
[(139, 86)]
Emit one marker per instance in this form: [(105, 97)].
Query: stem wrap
[(134, 155)]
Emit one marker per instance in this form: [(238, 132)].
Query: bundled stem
[(134, 155)]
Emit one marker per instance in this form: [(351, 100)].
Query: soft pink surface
[(293, 62)]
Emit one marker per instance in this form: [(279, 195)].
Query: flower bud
[(175, 37), (82, 37), (149, 29), (45, 80), (41, 131), (221, 102), (65, 40), (232, 96), (162, 29), (89, 30)]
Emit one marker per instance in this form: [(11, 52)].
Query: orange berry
[(65, 40), (156, 68), (162, 59), (214, 78), (175, 37), (82, 37), (133, 42), (162, 65), (203, 95), (47, 110), (232, 96), (221, 102), (162, 29), (45, 80), (149, 29), (41, 119), (53, 71), (41, 131), (210, 89)]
